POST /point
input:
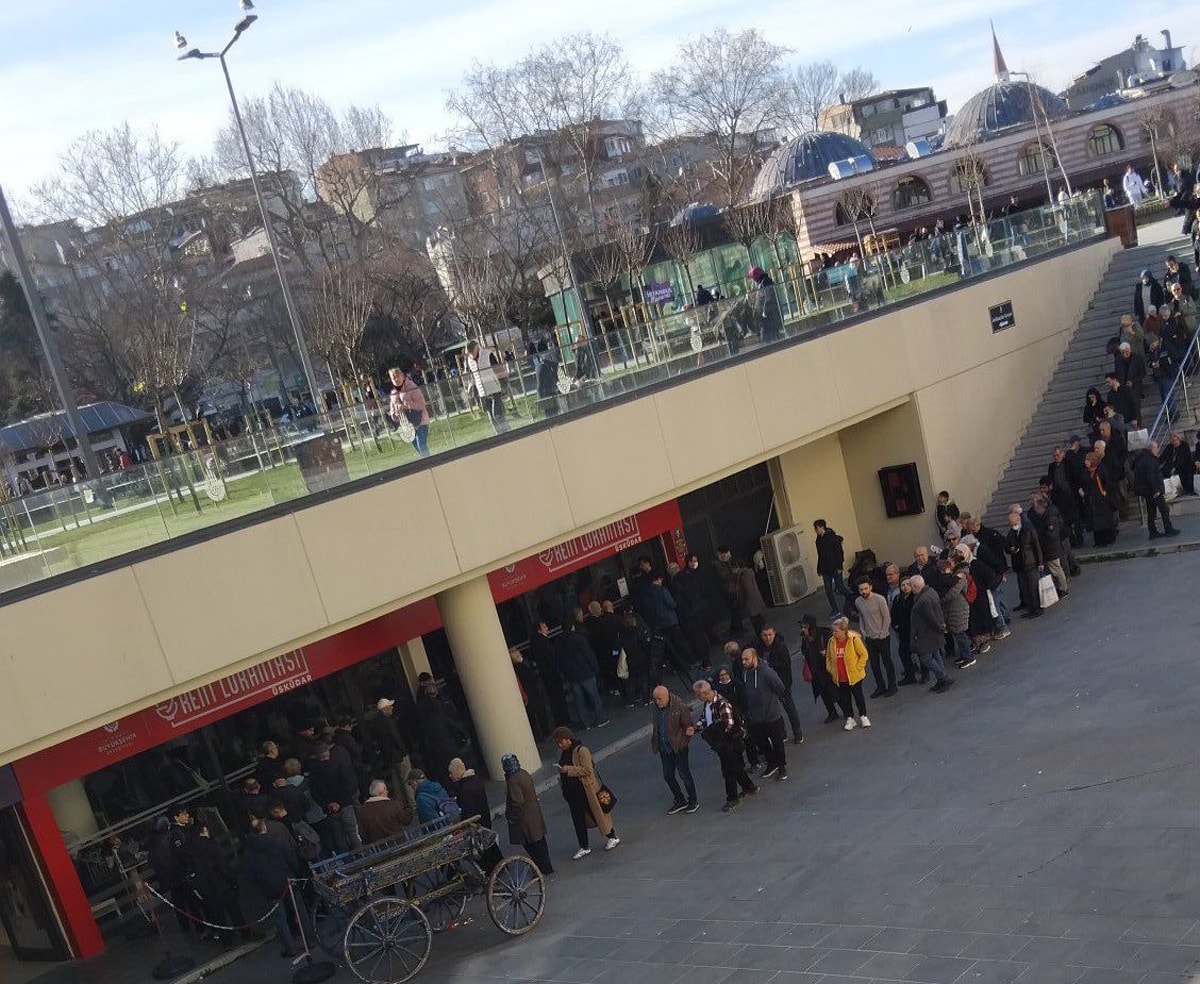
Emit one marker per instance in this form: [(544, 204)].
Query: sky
[(69, 66)]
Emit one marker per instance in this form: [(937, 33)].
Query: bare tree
[(857, 205), (681, 242), (729, 88), (970, 173), (141, 314), (814, 86), (412, 308), (342, 304), (858, 83)]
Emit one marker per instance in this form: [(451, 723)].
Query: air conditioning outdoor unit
[(790, 567)]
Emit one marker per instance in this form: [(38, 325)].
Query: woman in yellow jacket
[(846, 660)]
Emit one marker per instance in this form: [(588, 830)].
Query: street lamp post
[(66, 393), (289, 300)]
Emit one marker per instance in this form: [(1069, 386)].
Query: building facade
[(888, 119)]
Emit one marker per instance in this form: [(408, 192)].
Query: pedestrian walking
[(723, 731), (831, 558), (523, 811), (407, 401), (670, 734), (581, 789), (763, 693), (846, 661)]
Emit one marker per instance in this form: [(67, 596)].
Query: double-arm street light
[(288, 300)]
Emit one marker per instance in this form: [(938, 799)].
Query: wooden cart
[(379, 906)]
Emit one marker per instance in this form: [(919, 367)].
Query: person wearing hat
[(1147, 295), (389, 741), (766, 306), (523, 811)]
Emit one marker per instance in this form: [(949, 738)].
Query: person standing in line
[(1177, 461), (929, 632), (727, 580), (537, 703), (1051, 531), (470, 794), (899, 601), (779, 657), (875, 620), (846, 662), (407, 400), (390, 744), (1148, 485), (750, 599), (688, 587), (831, 558), (335, 788), (956, 610), (664, 620), (526, 825), (579, 669), (1025, 555), (812, 646), (548, 661), (723, 733), (381, 817), (1101, 504), (484, 372), (267, 864), (763, 693), (669, 737), (580, 788)]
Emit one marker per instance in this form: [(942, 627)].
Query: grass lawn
[(148, 521)]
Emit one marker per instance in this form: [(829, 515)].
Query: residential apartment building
[(1136, 65), (888, 119)]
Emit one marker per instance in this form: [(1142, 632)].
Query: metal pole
[(288, 300), (66, 394)]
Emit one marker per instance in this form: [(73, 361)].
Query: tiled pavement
[(1039, 823)]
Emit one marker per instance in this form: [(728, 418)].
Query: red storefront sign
[(578, 552), (143, 730)]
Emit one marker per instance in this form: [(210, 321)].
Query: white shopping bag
[(1138, 439), (1172, 488), (1046, 591)]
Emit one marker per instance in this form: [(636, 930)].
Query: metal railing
[(62, 529)]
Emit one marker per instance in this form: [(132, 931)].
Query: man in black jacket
[(579, 669), (927, 632), (267, 863), (831, 558), (1025, 555), (1048, 523), (335, 789), (779, 658), (1179, 273), (1148, 485), (542, 652)]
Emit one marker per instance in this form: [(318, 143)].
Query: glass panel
[(25, 912), (644, 338)]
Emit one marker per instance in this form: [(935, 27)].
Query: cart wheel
[(387, 941), (447, 907), (516, 895), (329, 925)]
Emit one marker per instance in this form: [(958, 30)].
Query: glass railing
[(73, 527)]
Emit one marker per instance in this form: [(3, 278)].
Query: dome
[(999, 106), (803, 158)]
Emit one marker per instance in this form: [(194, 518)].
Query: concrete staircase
[(1059, 413)]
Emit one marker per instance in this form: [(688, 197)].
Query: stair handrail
[(1163, 418)]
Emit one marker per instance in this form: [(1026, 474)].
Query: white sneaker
[(850, 725), (583, 852), (611, 843), (864, 721)]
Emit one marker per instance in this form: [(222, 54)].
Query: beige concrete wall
[(891, 438), (810, 483), (84, 655)]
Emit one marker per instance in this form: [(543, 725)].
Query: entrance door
[(26, 914)]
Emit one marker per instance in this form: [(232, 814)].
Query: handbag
[(1046, 591), (606, 798), (1172, 488), (806, 672), (405, 429), (623, 666)]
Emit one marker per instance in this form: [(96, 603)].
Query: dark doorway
[(26, 914)]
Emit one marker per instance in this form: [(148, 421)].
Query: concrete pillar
[(72, 810), (485, 669), (414, 660)]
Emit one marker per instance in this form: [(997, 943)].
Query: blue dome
[(803, 158), (1000, 106)]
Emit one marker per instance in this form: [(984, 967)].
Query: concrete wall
[(83, 655)]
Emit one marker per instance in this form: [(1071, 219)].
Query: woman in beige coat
[(580, 788)]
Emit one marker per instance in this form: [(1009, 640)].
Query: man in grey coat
[(762, 698), (929, 632)]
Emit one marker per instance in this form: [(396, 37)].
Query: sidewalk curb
[(1143, 550), (219, 962)]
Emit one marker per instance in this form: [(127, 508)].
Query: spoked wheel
[(387, 941), (448, 902), (516, 895), (329, 924)]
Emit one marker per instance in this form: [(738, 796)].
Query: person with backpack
[(723, 731), (432, 800)]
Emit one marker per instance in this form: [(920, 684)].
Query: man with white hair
[(381, 817), (928, 632)]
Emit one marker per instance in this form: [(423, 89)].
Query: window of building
[(1104, 140), (868, 110), (967, 175), (884, 135), (616, 178), (910, 192), (617, 146), (1035, 158)]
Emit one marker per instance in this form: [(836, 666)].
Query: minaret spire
[(1000, 66)]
